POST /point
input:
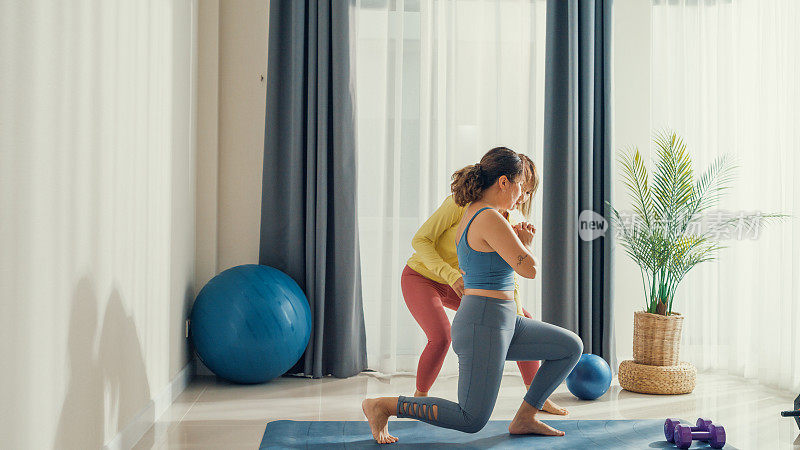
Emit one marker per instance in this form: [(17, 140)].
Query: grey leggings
[(485, 333)]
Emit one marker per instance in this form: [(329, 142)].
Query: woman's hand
[(512, 243), (524, 225), (525, 231), (458, 286)]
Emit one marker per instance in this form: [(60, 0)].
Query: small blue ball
[(590, 378)]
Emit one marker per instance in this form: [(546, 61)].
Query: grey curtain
[(577, 274), (308, 209)]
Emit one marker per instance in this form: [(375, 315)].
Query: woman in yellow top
[(431, 281)]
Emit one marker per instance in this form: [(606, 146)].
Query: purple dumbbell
[(684, 436), (670, 424)]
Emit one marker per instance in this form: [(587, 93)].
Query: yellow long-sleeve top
[(435, 247)]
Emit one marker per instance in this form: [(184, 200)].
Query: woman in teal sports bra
[(486, 330)]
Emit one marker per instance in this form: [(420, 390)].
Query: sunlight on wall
[(96, 213)]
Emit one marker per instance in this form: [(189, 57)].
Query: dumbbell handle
[(791, 413), (698, 436), (694, 430)]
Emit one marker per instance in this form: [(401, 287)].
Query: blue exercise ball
[(590, 378), (250, 323)]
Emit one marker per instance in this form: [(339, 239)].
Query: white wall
[(631, 127), (97, 209), (233, 58), (242, 107), (207, 140)]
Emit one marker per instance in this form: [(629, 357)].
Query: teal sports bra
[(483, 270)]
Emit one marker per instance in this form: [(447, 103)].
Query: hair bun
[(470, 182), (479, 173)]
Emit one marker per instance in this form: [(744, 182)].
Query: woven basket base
[(678, 379), (657, 339)]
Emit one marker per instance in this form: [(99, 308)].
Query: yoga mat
[(581, 434)]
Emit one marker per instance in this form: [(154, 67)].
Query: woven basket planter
[(665, 380), (657, 338)]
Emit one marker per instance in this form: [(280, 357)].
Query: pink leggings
[(426, 299)]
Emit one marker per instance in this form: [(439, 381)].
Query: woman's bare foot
[(420, 394), (378, 418), (525, 422), (532, 425), (550, 407)]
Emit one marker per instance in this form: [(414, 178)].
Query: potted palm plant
[(663, 238)]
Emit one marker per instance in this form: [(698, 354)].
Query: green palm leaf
[(660, 238), (634, 176)]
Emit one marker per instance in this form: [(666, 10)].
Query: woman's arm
[(502, 238), (424, 241)]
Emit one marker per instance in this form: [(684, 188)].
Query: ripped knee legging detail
[(486, 332)]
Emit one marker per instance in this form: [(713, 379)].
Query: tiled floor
[(212, 414)]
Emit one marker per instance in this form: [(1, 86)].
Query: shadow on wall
[(108, 382)]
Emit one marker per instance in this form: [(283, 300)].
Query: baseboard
[(147, 417)]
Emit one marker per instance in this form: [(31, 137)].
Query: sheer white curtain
[(726, 75), (438, 84)]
